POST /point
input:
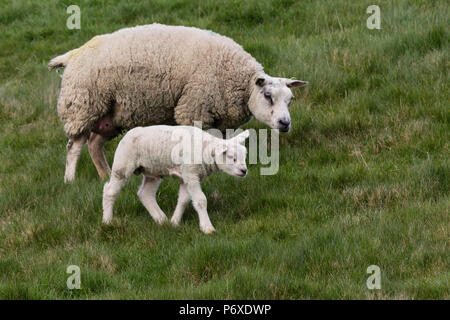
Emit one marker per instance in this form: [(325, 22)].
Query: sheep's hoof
[(208, 229), (104, 175)]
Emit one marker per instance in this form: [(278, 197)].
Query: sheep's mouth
[(284, 129)]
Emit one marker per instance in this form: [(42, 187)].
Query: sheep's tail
[(63, 60)]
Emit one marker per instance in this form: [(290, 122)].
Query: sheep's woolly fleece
[(156, 74)]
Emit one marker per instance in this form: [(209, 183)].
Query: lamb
[(183, 151), (157, 74)]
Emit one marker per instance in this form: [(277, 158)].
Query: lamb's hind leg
[(95, 147), (74, 147), (183, 200), (147, 195)]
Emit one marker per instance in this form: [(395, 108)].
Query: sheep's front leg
[(74, 147), (147, 195), (95, 147), (183, 200), (110, 193), (200, 203)]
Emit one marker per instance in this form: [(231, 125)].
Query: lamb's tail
[(61, 61)]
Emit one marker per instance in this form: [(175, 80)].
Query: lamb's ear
[(242, 136), (260, 81), (295, 83), (221, 148)]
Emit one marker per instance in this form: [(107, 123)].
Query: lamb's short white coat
[(155, 152)]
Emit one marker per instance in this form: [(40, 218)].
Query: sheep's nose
[(244, 171), (284, 124)]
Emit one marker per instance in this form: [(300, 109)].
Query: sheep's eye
[(234, 160), (268, 96)]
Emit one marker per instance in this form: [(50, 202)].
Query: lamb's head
[(270, 99), (229, 155)]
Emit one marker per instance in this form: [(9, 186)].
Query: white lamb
[(183, 151)]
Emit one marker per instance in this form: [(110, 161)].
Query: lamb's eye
[(268, 96)]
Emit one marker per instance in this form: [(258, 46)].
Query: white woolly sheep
[(157, 74), (183, 151)]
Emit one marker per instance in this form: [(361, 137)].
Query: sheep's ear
[(221, 148), (242, 136), (295, 83), (260, 81)]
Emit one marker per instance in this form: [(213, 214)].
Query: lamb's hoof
[(107, 220), (174, 222), (161, 220), (68, 179), (208, 229)]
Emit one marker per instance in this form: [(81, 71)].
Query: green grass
[(363, 179)]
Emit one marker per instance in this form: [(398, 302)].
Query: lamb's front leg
[(147, 195), (200, 204), (183, 200), (110, 193)]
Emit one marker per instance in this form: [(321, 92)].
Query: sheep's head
[(270, 99), (230, 155)]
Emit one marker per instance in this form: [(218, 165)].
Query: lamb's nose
[(244, 171)]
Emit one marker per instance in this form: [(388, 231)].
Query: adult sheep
[(158, 74)]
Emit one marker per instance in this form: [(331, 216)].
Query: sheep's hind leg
[(147, 195), (95, 147), (74, 147), (183, 200)]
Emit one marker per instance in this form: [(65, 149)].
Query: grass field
[(363, 178)]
